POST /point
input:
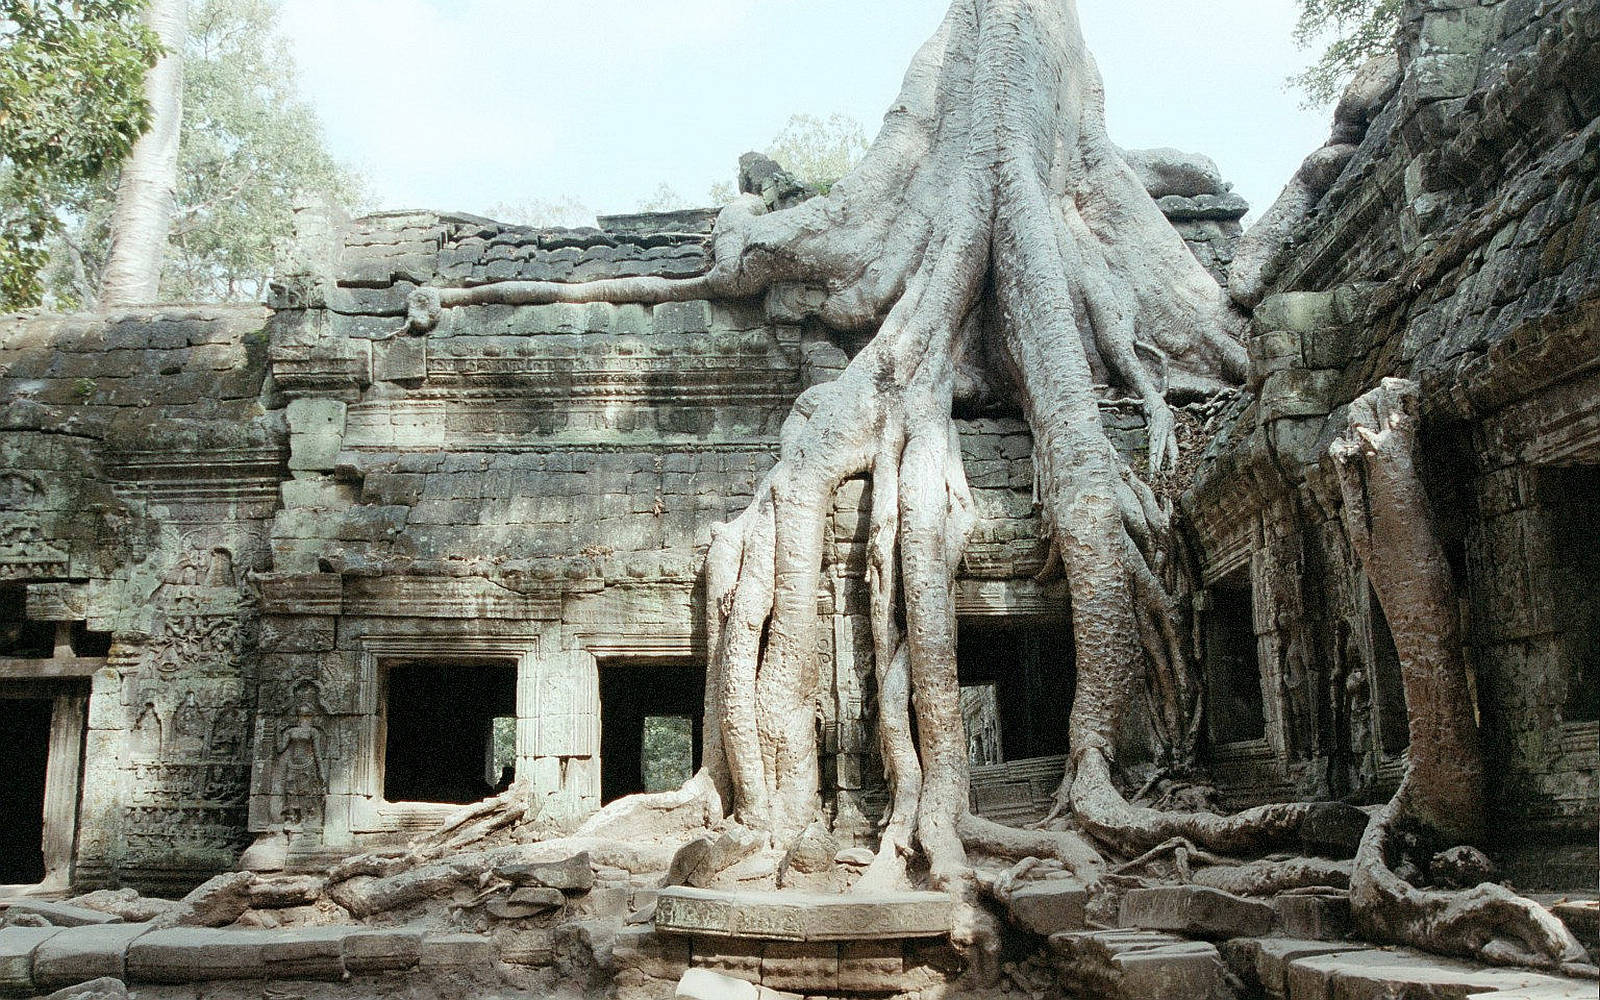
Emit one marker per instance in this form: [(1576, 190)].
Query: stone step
[(1383, 973), (799, 916), (1196, 911), (1138, 965)]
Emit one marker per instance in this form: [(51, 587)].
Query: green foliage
[(250, 150), (1350, 32), (819, 152), (668, 752), (71, 106)]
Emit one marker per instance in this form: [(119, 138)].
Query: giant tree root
[(1390, 527), (1004, 253)]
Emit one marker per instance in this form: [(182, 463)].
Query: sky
[(469, 104)]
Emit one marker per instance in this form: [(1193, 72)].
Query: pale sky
[(464, 104)]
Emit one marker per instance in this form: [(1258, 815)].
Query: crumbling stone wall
[(1455, 248), (141, 459)]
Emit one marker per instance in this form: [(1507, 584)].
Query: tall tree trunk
[(150, 174)]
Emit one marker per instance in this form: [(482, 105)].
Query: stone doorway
[(1236, 707), (1016, 679), (651, 721), (25, 762), (446, 726)]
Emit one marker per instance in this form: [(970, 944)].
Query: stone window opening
[(1236, 704), (443, 740), (1014, 678), (652, 719)]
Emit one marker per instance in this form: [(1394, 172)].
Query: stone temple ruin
[(355, 610)]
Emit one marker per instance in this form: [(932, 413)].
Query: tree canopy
[(1350, 32), (251, 150), (71, 105)]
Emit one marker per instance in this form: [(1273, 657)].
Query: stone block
[(1138, 965), (17, 948), (60, 914), (871, 966), (736, 957), (400, 359), (305, 953), (1264, 962), (196, 954), (1297, 392), (801, 966), (1196, 911), (443, 950), (1380, 974), (658, 956), (374, 950), (314, 452), (1315, 918), (1047, 907), (532, 946), (574, 874), (529, 901), (705, 984), (801, 916), (315, 416), (1297, 311), (85, 953)]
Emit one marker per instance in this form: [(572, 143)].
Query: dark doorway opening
[(20, 637), (1571, 495), (24, 761), (1017, 680), (1233, 666), (1388, 684), (440, 730), (652, 717)]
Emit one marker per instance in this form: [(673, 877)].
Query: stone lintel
[(797, 916)]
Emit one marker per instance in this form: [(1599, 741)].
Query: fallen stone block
[(1375, 974), (1048, 907), (374, 950), (1138, 965), (61, 914), (574, 874), (305, 953), (196, 954), (526, 902), (1196, 911), (84, 953), (658, 956), (104, 988), (217, 902), (17, 947), (703, 984)]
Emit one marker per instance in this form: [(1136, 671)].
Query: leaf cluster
[(71, 106), (1349, 32), (250, 150)]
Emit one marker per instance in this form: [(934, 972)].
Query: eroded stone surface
[(786, 916)]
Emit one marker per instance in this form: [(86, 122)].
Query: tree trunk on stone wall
[(149, 178), (1000, 248), (1440, 801)]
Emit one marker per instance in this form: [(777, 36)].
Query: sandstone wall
[(141, 460), (1456, 248)]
